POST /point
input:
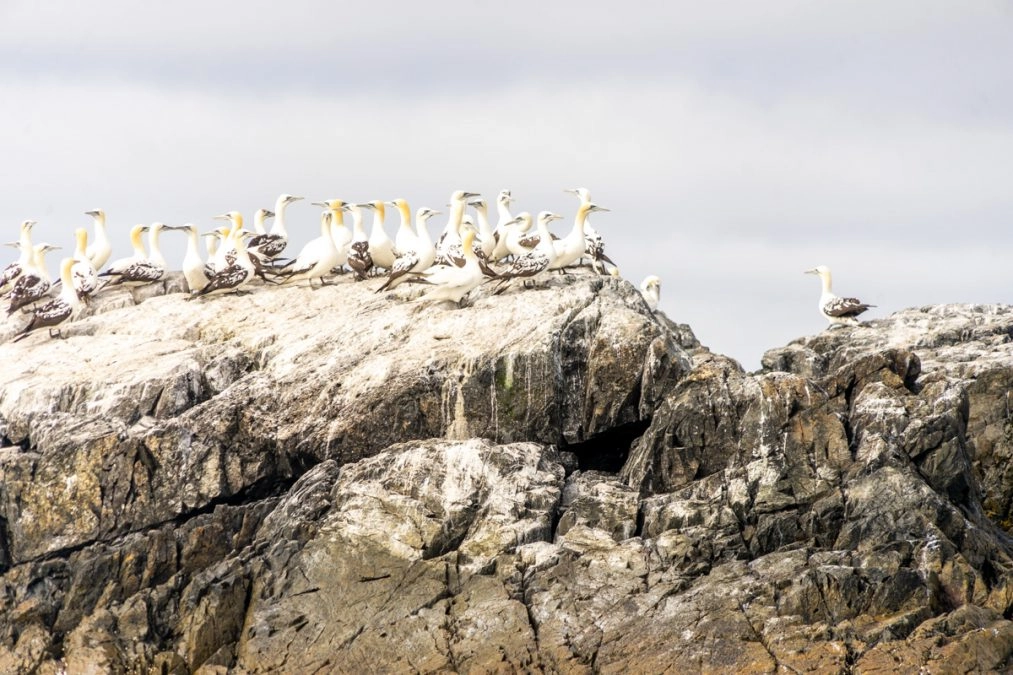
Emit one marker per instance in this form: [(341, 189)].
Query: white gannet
[(241, 269), (417, 259), (211, 242), (83, 273), (56, 311), (452, 282), (537, 259), (100, 249), (223, 253), (405, 239), (501, 251), (595, 244), (269, 246), (259, 218), (139, 268), (837, 310), (449, 243), (193, 267), (487, 237), (571, 248), (518, 241), (316, 259), (34, 282), (340, 233), (381, 248), (650, 288), (18, 267), (359, 258)]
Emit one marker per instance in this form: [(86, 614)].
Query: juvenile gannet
[(500, 251), (138, 268), (340, 233), (194, 270), (359, 258), (381, 248), (415, 260), (405, 240), (571, 248), (18, 267), (56, 311), (595, 248), (34, 282), (650, 288), (317, 258), (83, 273), (240, 271), (837, 310), (100, 249), (452, 282), (539, 258), (269, 246)]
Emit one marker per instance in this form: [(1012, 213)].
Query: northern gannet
[(518, 241), (258, 220), (837, 310), (100, 249), (34, 282), (452, 282), (317, 258), (571, 248), (650, 288), (448, 245), (83, 273), (381, 248), (595, 244), (359, 258), (18, 267), (418, 259), (487, 238), (269, 246), (340, 233), (194, 269), (56, 311), (405, 239), (138, 268), (539, 258), (240, 270), (222, 253), (501, 251)]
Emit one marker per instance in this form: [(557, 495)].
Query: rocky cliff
[(548, 480)]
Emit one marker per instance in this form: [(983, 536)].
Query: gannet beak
[(572, 191), (13, 244), (367, 205), (224, 216), (91, 213), (595, 207), (268, 214), (469, 195), (323, 204), (293, 199), (812, 271)]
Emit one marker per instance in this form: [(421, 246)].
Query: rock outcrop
[(548, 480)]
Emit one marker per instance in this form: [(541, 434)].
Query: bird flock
[(468, 252)]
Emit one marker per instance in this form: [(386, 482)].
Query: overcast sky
[(737, 143)]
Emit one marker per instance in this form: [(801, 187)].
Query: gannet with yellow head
[(58, 310), (835, 309), (18, 267), (571, 248), (136, 269), (381, 248), (240, 271), (194, 269), (405, 240), (34, 283), (450, 281), (316, 259), (416, 260), (83, 273), (449, 243), (595, 248), (100, 249), (340, 234)]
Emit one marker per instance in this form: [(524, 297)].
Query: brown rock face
[(550, 480)]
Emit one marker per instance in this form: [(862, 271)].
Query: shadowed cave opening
[(607, 451)]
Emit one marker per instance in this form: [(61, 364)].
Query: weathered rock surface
[(550, 480)]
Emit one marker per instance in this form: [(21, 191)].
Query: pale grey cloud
[(735, 146)]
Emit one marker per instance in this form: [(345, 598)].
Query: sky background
[(736, 143)]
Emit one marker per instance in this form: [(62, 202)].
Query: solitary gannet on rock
[(194, 269), (416, 260), (58, 310), (452, 282), (650, 288), (18, 267), (538, 259), (571, 248), (595, 244), (317, 258), (837, 310), (500, 250), (140, 268), (381, 248), (405, 240), (83, 273), (34, 282), (100, 249), (269, 246), (239, 272)]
